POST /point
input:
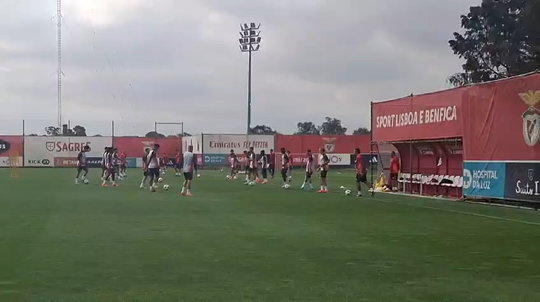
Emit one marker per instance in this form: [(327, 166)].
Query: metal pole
[(112, 129), (182, 134), (59, 57), (249, 91), (371, 151), (23, 128)]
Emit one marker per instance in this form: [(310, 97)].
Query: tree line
[(330, 126)]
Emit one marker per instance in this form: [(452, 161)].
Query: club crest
[(50, 146), (531, 117), (329, 144)]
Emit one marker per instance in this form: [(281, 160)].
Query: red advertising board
[(332, 143), (65, 161), (135, 146), (421, 117), (11, 144), (503, 120)]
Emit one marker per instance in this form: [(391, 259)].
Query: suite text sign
[(523, 181)]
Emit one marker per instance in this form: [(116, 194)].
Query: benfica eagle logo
[(531, 117)]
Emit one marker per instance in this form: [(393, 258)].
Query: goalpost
[(14, 163)]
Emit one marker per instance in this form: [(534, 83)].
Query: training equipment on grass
[(347, 192), (160, 179), (166, 187)]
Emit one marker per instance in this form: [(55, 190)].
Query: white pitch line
[(462, 212)]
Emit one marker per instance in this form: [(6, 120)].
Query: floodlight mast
[(250, 41)]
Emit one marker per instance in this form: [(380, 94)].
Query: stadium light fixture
[(250, 41)]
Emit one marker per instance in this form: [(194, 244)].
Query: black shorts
[(82, 168), (188, 175), (393, 176), (271, 167), (153, 172), (324, 173), (178, 166), (308, 174), (284, 170), (361, 177), (145, 173)]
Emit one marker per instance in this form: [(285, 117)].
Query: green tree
[(307, 128), (154, 134), (79, 131), (361, 131), (501, 39), (262, 130), (52, 131), (332, 126)]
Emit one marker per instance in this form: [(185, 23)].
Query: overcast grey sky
[(137, 61)]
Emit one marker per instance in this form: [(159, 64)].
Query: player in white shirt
[(324, 161), (103, 167), (153, 167), (189, 168), (310, 167), (109, 166)]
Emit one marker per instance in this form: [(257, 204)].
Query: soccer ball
[(160, 179), (198, 175), (228, 177), (251, 183), (347, 192), (166, 187), (287, 186), (221, 170), (86, 181)]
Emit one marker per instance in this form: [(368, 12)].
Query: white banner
[(338, 159), (195, 141), (41, 151), (5, 161), (224, 143)]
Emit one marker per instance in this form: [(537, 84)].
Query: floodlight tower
[(250, 41)]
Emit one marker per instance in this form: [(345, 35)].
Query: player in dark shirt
[(81, 164), (284, 166), (361, 172), (272, 163), (264, 167)]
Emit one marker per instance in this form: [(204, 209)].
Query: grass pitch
[(66, 242)]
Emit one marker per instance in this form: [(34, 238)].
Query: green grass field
[(62, 242)]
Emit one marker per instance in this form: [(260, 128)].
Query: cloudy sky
[(138, 61)]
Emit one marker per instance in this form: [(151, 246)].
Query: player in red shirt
[(123, 166), (164, 162), (394, 170), (361, 172), (272, 163), (177, 163)]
